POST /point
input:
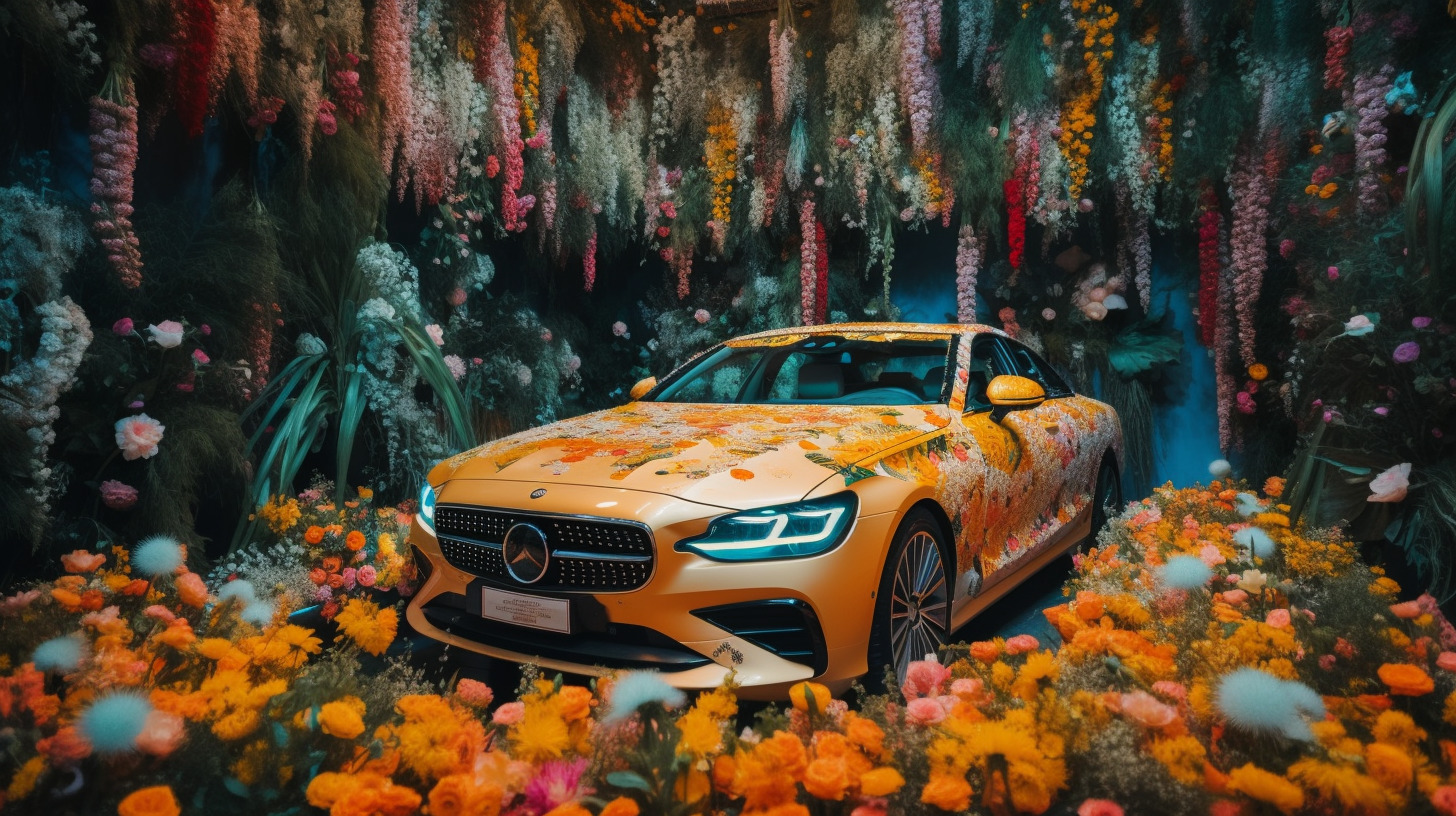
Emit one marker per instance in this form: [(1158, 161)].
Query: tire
[(1106, 500), (912, 609)]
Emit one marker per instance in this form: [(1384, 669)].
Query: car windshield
[(820, 370)]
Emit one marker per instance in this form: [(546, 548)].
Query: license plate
[(553, 614)]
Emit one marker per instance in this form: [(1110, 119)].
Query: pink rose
[(123, 327), (509, 714), (702, 316), (1327, 662), (1278, 618), (436, 333), (366, 576), (162, 732), (1210, 555), (1234, 597), (349, 575), (138, 436), (167, 334), (619, 329), (924, 678), (924, 711), (201, 357), (117, 495), (1390, 485), (457, 297), (1099, 807), (1147, 709), (1021, 643)]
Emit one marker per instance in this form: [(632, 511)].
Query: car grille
[(587, 554)]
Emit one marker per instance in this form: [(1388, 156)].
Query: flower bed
[(1214, 660)]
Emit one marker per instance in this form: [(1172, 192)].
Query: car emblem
[(525, 553), (538, 492)]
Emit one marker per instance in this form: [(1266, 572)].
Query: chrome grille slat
[(587, 554)]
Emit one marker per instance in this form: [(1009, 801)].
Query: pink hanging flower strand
[(113, 159)]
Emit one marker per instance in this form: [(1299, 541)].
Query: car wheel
[(912, 610), (1106, 500)]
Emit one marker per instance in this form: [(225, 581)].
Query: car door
[(1023, 457)]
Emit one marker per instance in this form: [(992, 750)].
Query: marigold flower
[(1406, 679), (947, 791), (355, 540), (827, 778), (314, 534), (986, 651), (1257, 783)]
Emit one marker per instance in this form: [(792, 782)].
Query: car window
[(1027, 363), (986, 365), (819, 369)]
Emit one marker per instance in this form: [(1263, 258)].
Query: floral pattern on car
[(703, 440)]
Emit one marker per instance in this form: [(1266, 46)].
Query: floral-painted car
[(803, 503)]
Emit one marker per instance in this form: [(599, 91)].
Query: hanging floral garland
[(808, 262), (1095, 21), (1210, 271), (113, 162), (968, 262)]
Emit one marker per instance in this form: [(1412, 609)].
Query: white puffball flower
[(158, 555), (1220, 468)]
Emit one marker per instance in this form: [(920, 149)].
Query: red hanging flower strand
[(1015, 221), (198, 29)]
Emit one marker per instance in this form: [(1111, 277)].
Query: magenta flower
[(1407, 352), (118, 495), (556, 783), (201, 357), (1421, 322), (125, 326)]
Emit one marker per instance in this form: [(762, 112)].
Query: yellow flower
[(880, 782), (1355, 792), (541, 734), (1257, 783), (800, 695), (1389, 766), (368, 625), (1182, 756), (24, 780), (701, 734)]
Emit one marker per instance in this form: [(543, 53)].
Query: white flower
[(1252, 581), (1358, 325), (1391, 485), (167, 334)]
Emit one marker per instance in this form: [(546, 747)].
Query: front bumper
[(769, 623)]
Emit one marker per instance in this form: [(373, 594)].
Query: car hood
[(735, 456)]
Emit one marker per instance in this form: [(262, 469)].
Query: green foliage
[(1431, 182), (1137, 349)]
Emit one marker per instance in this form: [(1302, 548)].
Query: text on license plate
[(526, 610)]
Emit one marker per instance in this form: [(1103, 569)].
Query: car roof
[(885, 330)]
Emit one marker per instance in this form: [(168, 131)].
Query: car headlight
[(427, 508), (793, 530)]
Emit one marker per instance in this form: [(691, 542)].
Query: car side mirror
[(1008, 393), (642, 387)]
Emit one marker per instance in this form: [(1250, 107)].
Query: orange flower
[(1258, 372), (136, 587), (986, 651), (1406, 679), (947, 791), (332, 563), (342, 718), (355, 540), (1089, 606), (460, 795), (568, 809), (314, 534), (191, 589), (153, 801), (576, 703), (880, 782), (82, 561), (318, 576), (827, 778), (621, 806), (65, 597)]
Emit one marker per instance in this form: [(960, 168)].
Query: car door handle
[(1052, 428)]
